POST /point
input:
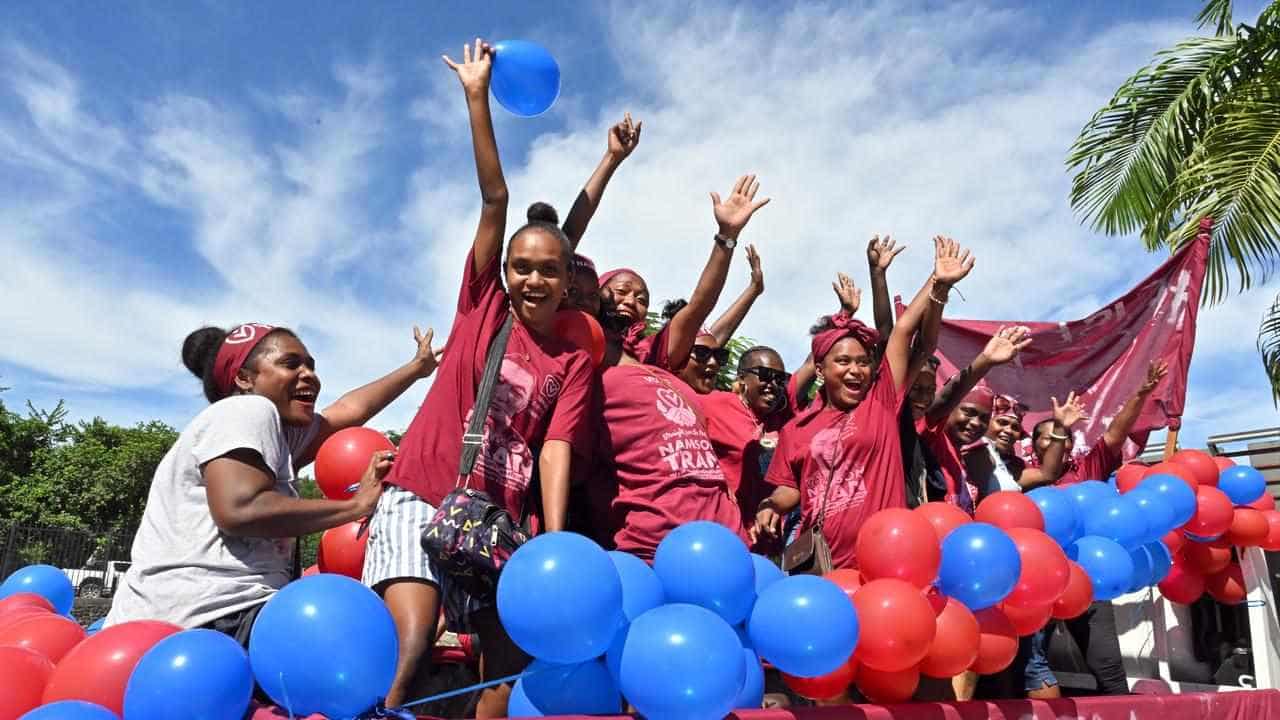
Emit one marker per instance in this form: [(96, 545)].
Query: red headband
[(605, 278), (980, 396), (1008, 406), (234, 351), (842, 326)]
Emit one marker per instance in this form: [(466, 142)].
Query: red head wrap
[(582, 263), (605, 278), (982, 396), (235, 349), (843, 325), (1008, 406)]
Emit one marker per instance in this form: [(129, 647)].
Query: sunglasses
[(703, 354), (767, 375)]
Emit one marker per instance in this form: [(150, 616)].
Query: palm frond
[(1236, 180), (1132, 150), (1218, 14), (1269, 348)]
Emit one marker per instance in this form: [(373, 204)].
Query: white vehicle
[(98, 578)]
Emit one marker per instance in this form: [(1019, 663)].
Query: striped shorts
[(395, 538)]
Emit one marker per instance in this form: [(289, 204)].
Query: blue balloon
[(1157, 512), (70, 710), (526, 79), (46, 581), (1088, 494), (1107, 564), (581, 689), (681, 661), (324, 644), (744, 637), (705, 563), (1176, 492), (1161, 561), (804, 625), (1241, 483), (94, 627), (1061, 521), (980, 565), (1117, 518), (560, 598), (194, 674), (1143, 568), (641, 589), (751, 696), (519, 705), (766, 572)]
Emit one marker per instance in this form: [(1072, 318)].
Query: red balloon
[(1266, 501), (847, 579), (1045, 572), (311, 570), (21, 614), (1171, 468), (1027, 620), (955, 642), (1129, 475), (1205, 559), (944, 517), (1199, 465), (895, 622), (1182, 585), (343, 458), (1008, 509), (1248, 527), (1222, 462), (1213, 513), (582, 330), (23, 680), (897, 543), (1272, 542), (1078, 595), (98, 669), (886, 687), (997, 642), (51, 635), (936, 599), (1227, 587), (23, 600), (827, 686), (1174, 540), (342, 549)]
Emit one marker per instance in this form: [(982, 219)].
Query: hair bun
[(542, 212), (200, 349)]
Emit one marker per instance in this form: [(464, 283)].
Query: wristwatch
[(727, 243)]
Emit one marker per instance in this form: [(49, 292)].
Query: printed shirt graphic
[(543, 393), (853, 460), (655, 465)]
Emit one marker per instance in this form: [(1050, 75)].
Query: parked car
[(97, 578)]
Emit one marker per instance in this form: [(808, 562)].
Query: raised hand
[(951, 263), (1070, 412), (757, 275), (475, 68), (849, 295), (734, 212), (426, 358), (623, 138), (1006, 344), (880, 253), (1155, 373)]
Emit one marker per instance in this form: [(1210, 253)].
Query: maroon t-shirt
[(738, 435), (656, 468), (543, 393), (851, 461), (960, 492), (1097, 463)]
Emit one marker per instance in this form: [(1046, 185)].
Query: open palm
[(736, 210), (951, 263)]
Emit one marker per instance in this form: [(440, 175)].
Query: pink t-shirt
[(851, 461), (543, 393), (737, 434), (656, 468)]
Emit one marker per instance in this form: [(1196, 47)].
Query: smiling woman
[(215, 541)]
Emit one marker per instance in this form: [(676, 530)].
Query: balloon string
[(477, 686), (288, 704)]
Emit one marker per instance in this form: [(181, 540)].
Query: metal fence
[(93, 560)]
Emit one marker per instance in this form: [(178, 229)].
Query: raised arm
[(473, 72), (1001, 348), (1054, 462), (727, 325), (1120, 427), (623, 138), (880, 255), (356, 407), (732, 215), (951, 264)]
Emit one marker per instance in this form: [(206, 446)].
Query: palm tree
[(1196, 133)]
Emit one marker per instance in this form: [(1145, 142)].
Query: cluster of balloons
[(151, 670), (340, 462), (683, 638)]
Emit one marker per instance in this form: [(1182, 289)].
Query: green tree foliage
[(729, 371)]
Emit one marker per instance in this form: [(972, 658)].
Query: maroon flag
[(1103, 357)]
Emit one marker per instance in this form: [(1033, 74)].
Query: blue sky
[(167, 166)]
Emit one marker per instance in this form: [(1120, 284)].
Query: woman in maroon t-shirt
[(841, 460), (656, 468), (537, 413)]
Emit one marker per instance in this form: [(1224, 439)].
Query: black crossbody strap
[(474, 437)]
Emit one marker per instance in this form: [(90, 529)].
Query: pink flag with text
[(1102, 357)]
